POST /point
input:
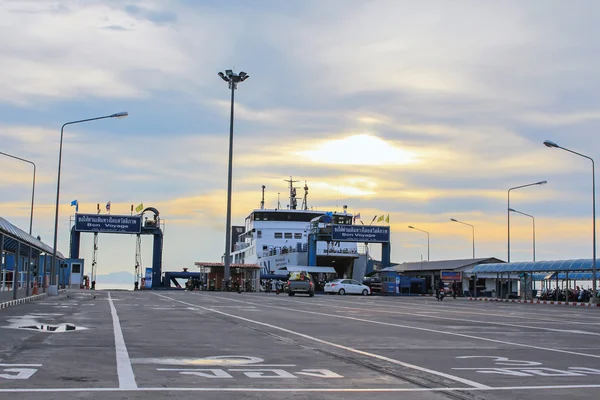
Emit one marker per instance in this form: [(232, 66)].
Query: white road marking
[(304, 390), (124, 369), (296, 310), (422, 314), (453, 309), (20, 365), (350, 349)]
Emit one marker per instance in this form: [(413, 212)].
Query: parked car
[(347, 286)]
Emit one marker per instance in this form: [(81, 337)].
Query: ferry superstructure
[(277, 238)]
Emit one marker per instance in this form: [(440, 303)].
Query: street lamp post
[(420, 230), (549, 143), (233, 79), (533, 219), (53, 266), (32, 190), (508, 208), (472, 227)]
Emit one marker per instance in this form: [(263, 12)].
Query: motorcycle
[(441, 295)]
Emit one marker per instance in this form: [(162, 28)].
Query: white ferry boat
[(277, 240)]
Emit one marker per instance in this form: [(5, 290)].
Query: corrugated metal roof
[(538, 266), (16, 233), (442, 265)]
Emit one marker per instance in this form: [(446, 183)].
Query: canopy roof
[(14, 234), (538, 266)]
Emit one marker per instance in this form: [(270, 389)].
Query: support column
[(43, 271), (385, 255), (16, 271), (312, 250), (2, 264), (28, 269), (567, 291), (39, 269), (157, 259)]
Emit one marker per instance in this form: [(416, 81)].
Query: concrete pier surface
[(150, 345)]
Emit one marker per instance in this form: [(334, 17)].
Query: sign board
[(360, 233), (451, 276), (148, 278), (108, 223)]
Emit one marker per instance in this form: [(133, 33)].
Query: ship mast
[(293, 202), (305, 198), (262, 202)]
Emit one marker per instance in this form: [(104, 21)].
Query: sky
[(423, 111)]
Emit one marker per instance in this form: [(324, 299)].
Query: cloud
[(424, 111)]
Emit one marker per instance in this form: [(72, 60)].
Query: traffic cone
[(35, 288)]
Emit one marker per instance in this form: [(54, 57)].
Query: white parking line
[(304, 389), (423, 314), (455, 308), (124, 369), (296, 310), (350, 349)]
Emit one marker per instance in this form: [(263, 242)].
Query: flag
[(380, 218), (357, 216), (139, 208), (76, 204), (108, 206), (387, 219)]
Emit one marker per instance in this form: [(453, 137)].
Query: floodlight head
[(242, 74), (228, 72), (120, 115), (550, 143), (222, 75), (541, 182), (453, 220), (244, 78), (411, 227), (511, 209)]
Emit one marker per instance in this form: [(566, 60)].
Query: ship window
[(278, 235), (259, 234), (288, 235), (297, 236)]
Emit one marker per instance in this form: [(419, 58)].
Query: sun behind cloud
[(362, 149)]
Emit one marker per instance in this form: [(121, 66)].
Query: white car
[(347, 286)]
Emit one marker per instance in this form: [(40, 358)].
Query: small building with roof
[(242, 273), (432, 270)]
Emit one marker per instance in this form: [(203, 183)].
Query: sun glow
[(359, 150)]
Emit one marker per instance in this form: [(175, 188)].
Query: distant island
[(116, 277)]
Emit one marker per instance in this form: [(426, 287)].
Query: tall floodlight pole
[(508, 210), (549, 143), (533, 218), (32, 190), (472, 227), (53, 266), (421, 230), (233, 80)]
